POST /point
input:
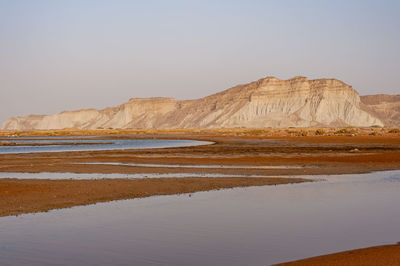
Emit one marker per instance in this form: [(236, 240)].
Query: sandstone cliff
[(268, 102), (383, 106)]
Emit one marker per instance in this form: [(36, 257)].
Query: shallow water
[(243, 226), (47, 137), (80, 176), (105, 144), (200, 166)]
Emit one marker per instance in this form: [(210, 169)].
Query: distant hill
[(383, 106), (268, 102)]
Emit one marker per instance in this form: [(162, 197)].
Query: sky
[(76, 54)]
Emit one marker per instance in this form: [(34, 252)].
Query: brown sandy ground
[(388, 255), (311, 154), (226, 132), (33, 195)]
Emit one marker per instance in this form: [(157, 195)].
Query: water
[(45, 137), (84, 176), (221, 166), (104, 144), (243, 226)]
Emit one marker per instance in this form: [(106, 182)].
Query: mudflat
[(32, 195), (286, 153), (380, 255), (266, 153)]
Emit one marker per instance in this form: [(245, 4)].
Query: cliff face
[(383, 106), (268, 102)]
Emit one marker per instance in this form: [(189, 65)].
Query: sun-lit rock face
[(268, 102), (297, 102), (385, 107)]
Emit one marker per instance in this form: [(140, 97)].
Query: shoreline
[(309, 155), (19, 196), (245, 156), (376, 255)]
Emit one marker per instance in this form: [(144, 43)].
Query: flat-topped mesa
[(268, 102), (302, 102), (303, 85), (153, 99)]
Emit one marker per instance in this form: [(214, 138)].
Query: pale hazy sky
[(65, 55)]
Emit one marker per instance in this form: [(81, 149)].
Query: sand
[(33, 195), (388, 255)]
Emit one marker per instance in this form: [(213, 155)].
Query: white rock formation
[(268, 102), (383, 106)]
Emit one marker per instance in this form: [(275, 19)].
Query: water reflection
[(93, 144), (221, 166), (244, 226), (82, 176)]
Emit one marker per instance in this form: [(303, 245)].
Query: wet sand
[(286, 155), (32, 195), (387, 255), (310, 155)]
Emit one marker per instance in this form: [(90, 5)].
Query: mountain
[(383, 106), (268, 102)]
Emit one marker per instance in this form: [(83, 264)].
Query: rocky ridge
[(383, 106), (268, 102)]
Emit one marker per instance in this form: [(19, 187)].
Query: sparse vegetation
[(319, 132), (394, 130), (259, 132), (342, 131), (346, 131), (303, 133), (256, 132)]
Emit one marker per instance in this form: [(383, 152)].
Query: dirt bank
[(32, 195), (381, 255)]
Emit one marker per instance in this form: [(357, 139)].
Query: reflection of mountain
[(268, 102)]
